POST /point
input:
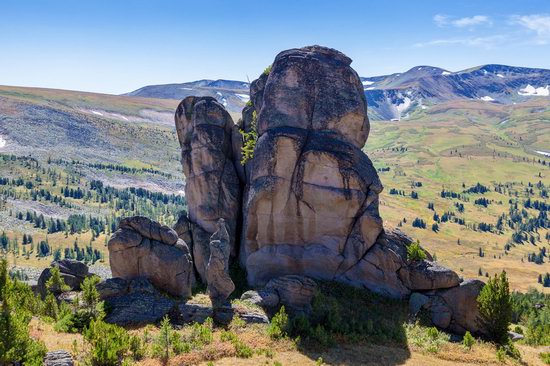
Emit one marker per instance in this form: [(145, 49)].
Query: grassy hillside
[(58, 140), (453, 147)]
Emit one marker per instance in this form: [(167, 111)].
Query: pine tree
[(495, 309)]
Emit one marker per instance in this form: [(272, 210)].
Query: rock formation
[(72, 272), (312, 194), (220, 285), (205, 132), (144, 248), (306, 204), (133, 302), (454, 309)]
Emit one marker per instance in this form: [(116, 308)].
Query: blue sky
[(117, 46)]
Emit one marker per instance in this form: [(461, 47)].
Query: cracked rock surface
[(144, 248)]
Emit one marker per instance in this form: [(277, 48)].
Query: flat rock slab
[(58, 358), (133, 302), (138, 308), (198, 313)]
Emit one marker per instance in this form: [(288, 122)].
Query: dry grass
[(286, 352)]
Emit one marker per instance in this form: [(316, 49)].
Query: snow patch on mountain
[(487, 99), (3, 142), (445, 73), (530, 90), (402, 107), (367, 83)]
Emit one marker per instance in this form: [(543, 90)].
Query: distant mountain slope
[(232, 94), (393, 96), (397, 95)]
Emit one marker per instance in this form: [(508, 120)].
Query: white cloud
[(484, 42), (441, 20), (466, 22), (537, 23)]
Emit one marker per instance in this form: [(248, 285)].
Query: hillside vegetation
[(464, 177)]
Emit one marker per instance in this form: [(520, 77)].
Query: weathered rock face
[(220, 285), (133, 302), (144, 248), (294, 292), (312, 194), (205, 132), (72, 272), (425, 275), (454, 309)]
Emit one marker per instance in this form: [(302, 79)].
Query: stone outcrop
[(454, 309), (312, 194), (72, 272), (133, 302), (306, 205), (213, 190), (220, 285), (144, 248), (425, 275), (294, 292)]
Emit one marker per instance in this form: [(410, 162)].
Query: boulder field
[(304, 207)]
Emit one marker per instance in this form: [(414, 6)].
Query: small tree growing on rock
[(415, 252), (495, 309)]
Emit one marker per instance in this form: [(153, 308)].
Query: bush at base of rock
[(109, 344)]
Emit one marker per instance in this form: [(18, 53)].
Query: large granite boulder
[(213, 190), (311, 205), (144, 248), (72, 272)]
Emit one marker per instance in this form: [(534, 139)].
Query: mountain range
[(395, 96)]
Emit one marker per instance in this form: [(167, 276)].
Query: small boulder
[(134, 302), (263, 298), (72, 272), (454, 310), (58, 358), (112, 287), (462, 301), (295, 292), (144, 248), (426, 275)]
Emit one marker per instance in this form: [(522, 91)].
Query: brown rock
[(143, 248), (426, 275), (462, 301), (311, 203), (295, 292), (378, 270), (71, 271), (220, 285), (205, 132)]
